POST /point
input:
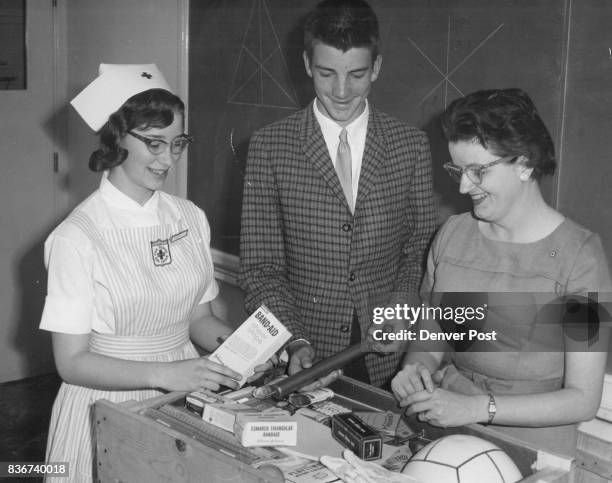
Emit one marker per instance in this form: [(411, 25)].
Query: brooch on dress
[(160, 249)]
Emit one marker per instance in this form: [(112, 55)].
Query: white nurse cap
[(115, 84)]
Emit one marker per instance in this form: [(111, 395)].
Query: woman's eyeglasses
[(159, 146), (474, 172)]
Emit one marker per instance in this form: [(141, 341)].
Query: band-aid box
[(253, 343)]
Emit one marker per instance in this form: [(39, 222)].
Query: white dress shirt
[(356, 135)]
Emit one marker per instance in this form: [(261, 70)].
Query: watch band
[(492, 408)]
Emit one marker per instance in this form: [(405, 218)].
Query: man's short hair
[(342, 24)]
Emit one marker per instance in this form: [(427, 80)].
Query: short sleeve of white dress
[(204, 229), (69, 304)]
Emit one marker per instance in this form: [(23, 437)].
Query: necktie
[(344, 167)]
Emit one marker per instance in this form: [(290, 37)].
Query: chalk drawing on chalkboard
[(261, 77), (446, 73), (235, 155)]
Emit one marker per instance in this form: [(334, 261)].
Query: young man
[(338, 200)]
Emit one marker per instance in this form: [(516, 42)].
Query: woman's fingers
[(425, 378), (416, 398), (219, 374), (411, 379)]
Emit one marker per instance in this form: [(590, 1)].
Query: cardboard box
[(252, 344), (195, 401), (224, 415), (357, 436), (271, 428)]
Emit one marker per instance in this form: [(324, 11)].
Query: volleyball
[(461, 458)]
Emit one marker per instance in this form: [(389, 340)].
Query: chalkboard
[(584, 186), (246, 70)]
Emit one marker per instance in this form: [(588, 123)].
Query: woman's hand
[(196, 374), (446, 408), (411, 379)]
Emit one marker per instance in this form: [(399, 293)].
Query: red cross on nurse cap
[(115, 84)]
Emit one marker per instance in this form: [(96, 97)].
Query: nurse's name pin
[(160, 250)]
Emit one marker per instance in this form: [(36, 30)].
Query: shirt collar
[(359, 124), (115, 197)]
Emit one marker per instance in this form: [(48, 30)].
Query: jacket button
[(347, 227), (344, 328), (352, 276)]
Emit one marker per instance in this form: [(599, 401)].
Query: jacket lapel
[(315, 149), (374, 155)]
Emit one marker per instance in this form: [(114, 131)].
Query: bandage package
[(272, 428), (252, 344)]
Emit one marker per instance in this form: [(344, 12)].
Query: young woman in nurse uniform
[(130, 275)]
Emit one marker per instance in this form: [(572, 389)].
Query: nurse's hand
[(301, 356), (446, 408), (196, 374), (411, 379)]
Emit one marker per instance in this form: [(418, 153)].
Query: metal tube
[(288, 385)]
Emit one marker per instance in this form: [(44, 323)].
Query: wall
[(28, 192), (584, 192), (113, 31), (77, 35), (248, 55)]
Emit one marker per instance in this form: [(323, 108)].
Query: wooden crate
[(132, 447), (594, 452)]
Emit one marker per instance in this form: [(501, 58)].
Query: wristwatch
[(492, 408)]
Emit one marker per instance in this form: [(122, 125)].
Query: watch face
[(492, 408)]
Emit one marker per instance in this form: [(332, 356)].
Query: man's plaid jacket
[(306, 257)]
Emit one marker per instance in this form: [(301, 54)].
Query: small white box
[(224, 415), (266, 429), (196, 400), (251, 344)]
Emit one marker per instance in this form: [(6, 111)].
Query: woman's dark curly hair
[(505, 122), (151, 108)]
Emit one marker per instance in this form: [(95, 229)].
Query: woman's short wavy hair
[(505, 122), (151, 108)]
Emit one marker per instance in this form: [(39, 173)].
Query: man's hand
[(388, 328), (262, 369), (301, 355)]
